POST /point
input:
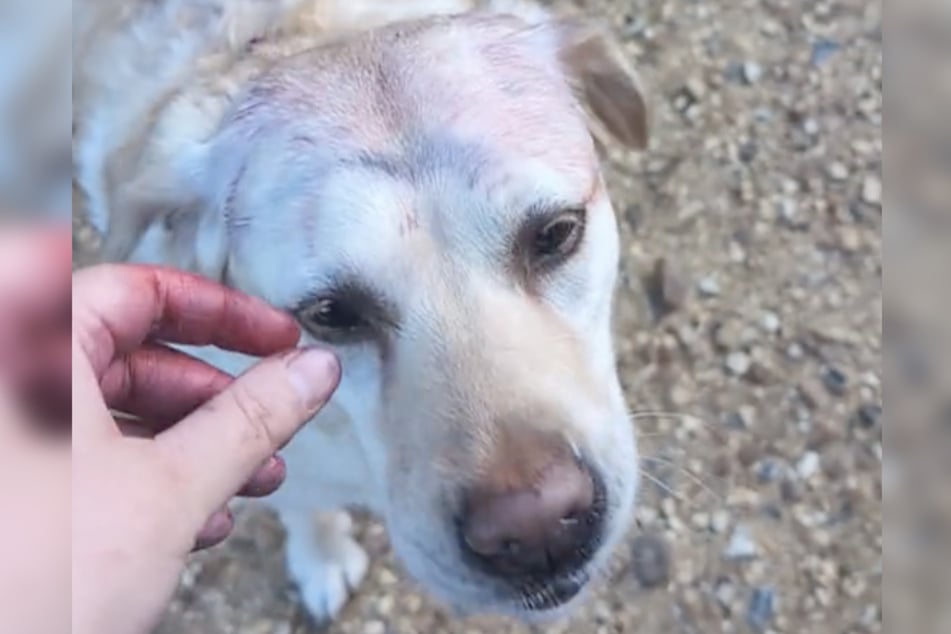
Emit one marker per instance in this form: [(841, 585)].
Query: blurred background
[(749, 331)]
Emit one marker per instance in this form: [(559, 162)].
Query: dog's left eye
[(558, 238)]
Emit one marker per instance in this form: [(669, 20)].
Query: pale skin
[(144, 496)]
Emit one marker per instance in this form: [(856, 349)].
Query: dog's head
[(427, 199)]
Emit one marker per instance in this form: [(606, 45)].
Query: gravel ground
[(749, 334)]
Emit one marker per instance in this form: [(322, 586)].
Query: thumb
[(218, 447)]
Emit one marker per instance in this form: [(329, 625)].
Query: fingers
[(116, 308), (35, 274), (220, 445), (216, 529), (160, 384)]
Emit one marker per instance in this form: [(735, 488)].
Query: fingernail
[(315, 373)]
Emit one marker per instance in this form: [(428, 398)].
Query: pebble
[(719, 521), (770, 322), (837, 171), (872, 190), (668, 285), (709, 286), (725, 594), (650, 561), (822, 50), (808, 465), (835, 381), (752, 72), (790, 215), (741, 545), (738, 363), (768, 470), (374, 627), (762, 608), (869, 415), (795, 351)]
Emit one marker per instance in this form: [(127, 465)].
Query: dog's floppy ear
[(605, 82), (160, 216)]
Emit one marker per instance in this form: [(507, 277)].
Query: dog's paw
[(327, 566)]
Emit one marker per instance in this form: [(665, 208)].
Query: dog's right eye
[(333, 320)]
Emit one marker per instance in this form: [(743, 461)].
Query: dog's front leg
[(323, 559), (326, 473)]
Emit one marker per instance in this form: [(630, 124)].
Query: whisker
[(674, 494), (693, 477)]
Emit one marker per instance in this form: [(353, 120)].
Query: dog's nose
[(543, 529)]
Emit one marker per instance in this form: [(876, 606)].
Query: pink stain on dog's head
[(491, 81)]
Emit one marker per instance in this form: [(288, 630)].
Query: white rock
[(872, 190), (752, 72), (837, 171), (708, 286), (738, 363), (719, 521), (741, 545), (808, 465), (770, 322)]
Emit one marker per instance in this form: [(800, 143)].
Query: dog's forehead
[(490, 81)]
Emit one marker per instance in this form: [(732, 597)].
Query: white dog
[(418, 183)]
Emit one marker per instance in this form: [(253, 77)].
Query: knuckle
[(255, 414)]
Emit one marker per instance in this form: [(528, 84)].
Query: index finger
[(35, 265), (117, 307)]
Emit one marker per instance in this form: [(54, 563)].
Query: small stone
[(768, 470), (849, 239), (725, 594), (668, 286), (810, 126), (374, 627), (728, 335), (741, 545), (837, 171), (790, 490), (835, 381), (795, 351), (762, 608), (709, 286), (789, 214), (770, 322), (762, 372), (808, 465), (719, 521), (872, 190), (650, 561), (811, 393), (869, 415), (738, 363), (752, 72)]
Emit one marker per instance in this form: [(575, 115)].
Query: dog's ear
[(157, 214), (604, 80)]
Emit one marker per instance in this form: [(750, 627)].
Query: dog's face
[(427, 200)]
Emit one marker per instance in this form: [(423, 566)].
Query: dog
[(418, 182)]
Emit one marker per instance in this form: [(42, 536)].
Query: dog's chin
[(540, 604)]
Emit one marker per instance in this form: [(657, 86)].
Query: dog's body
[(423, 191)]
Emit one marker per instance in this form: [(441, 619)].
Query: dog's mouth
[(554, 593)]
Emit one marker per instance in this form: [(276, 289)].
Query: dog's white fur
[(282, 146)]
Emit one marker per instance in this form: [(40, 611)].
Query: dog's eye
[(558, 238), (330, 318)]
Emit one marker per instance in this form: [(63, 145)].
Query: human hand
[(142, 501), (34, 465)]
